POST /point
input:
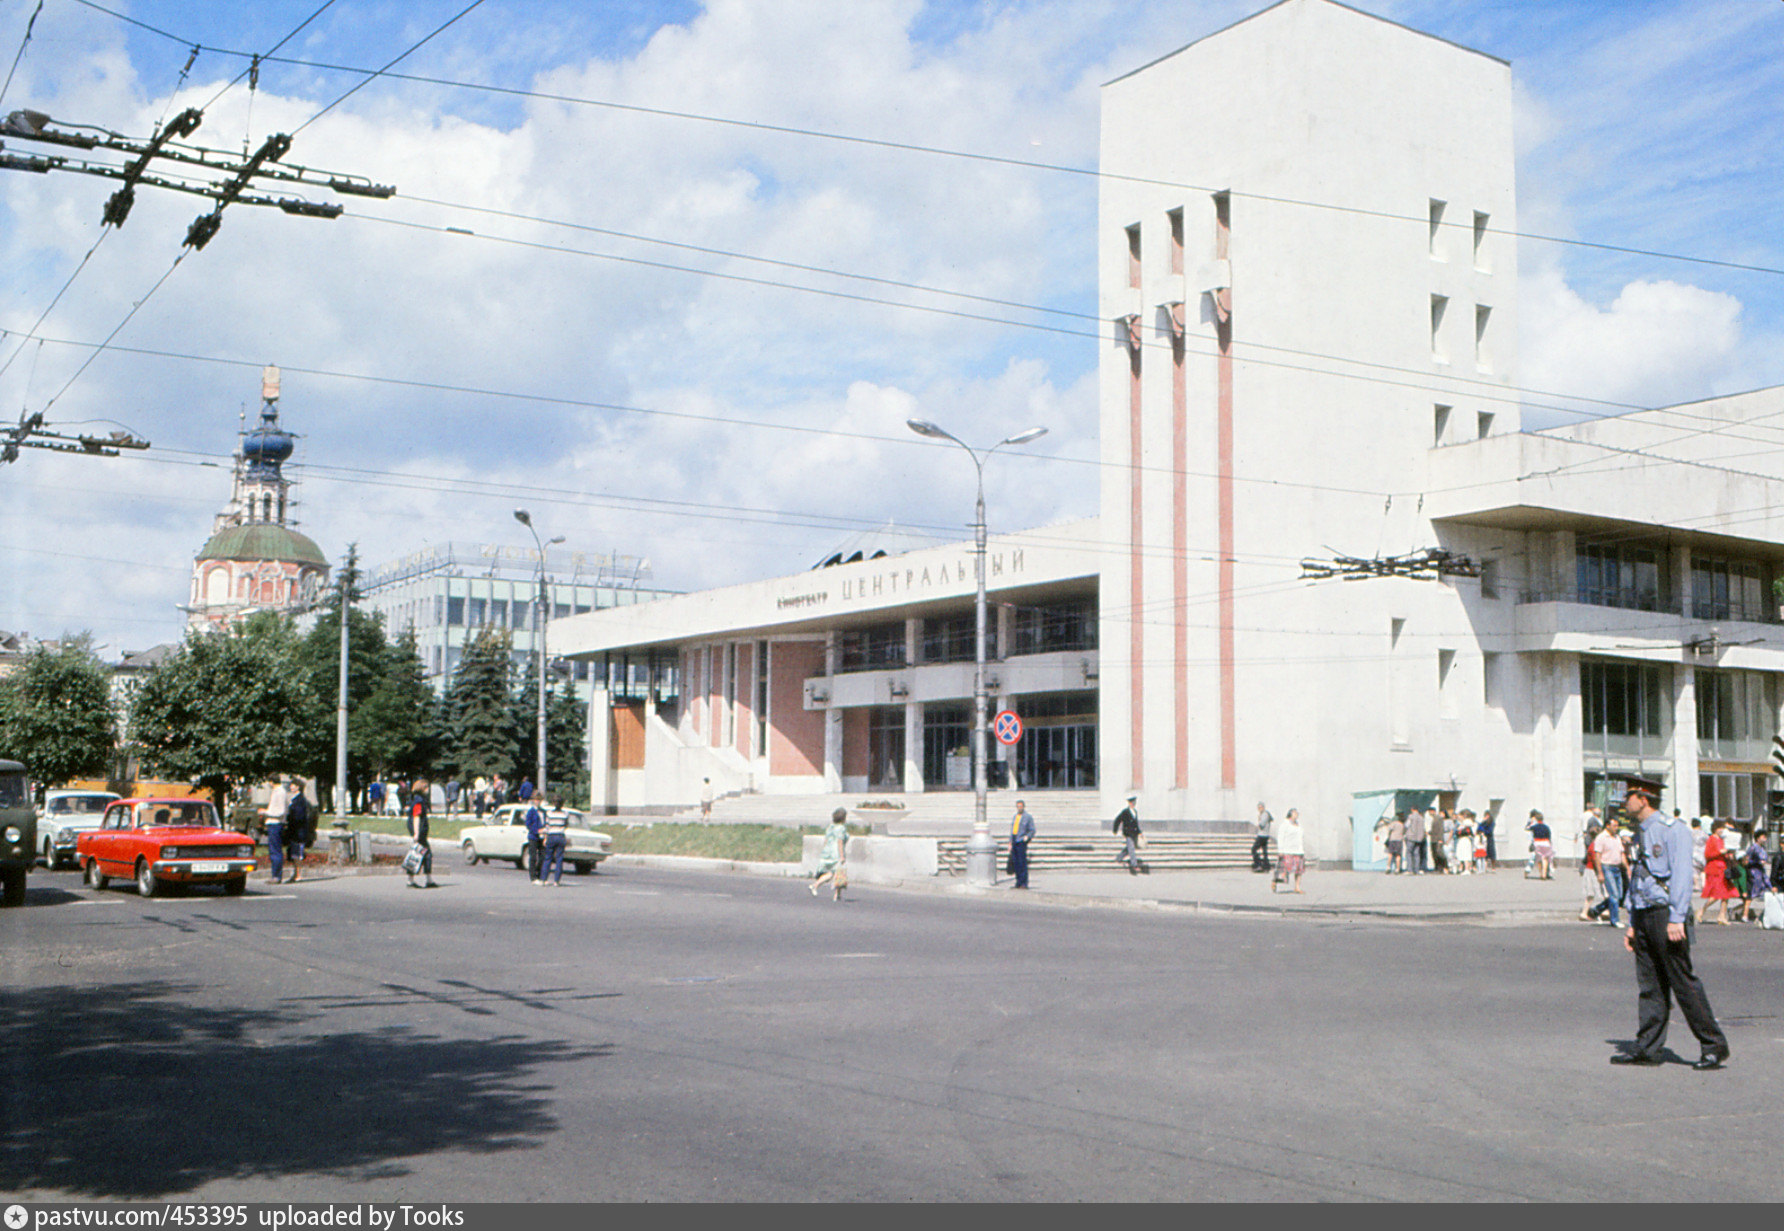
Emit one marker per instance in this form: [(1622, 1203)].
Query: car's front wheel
[(584, 868), (236, 886), (96, 878), (471, 855), (12, 887), (146, 884)]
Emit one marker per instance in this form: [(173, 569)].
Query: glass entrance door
[(885, 749), (1057, 758)]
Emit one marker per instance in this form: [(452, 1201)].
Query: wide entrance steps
[(1164, 852)]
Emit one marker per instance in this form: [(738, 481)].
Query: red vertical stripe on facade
[(1136, 577), (1180, 550), (1229, 752)]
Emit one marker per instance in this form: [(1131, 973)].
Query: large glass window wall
[(1045, 630), (871, 649), (952, 639), (1734, 797), (1626, 714), (1732, 590), (1736, 716), (1622, 573)]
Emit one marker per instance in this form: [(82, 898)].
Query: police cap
[(1633, 783)]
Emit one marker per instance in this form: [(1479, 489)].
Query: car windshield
[(175, 812), (80, 805), (13, 789)]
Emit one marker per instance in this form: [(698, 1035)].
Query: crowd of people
[(477, 797), (1731, 872), (1441, 840)]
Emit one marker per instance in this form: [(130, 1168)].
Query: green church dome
[(262, 541)]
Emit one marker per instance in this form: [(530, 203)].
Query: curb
[(699, 863)]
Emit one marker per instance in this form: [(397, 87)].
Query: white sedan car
[(505, 837), (66, 814)]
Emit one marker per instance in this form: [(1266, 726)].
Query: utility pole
[(981, 848), (349, 576), (540, 615)]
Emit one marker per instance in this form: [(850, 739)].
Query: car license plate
[(199, 869)]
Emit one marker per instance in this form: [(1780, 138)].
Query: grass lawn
[(755, 843)]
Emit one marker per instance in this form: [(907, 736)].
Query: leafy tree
[(228, 709), (484, 737), (56, 714)]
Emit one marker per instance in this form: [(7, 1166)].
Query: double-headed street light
[(981, 848), (541, 611)]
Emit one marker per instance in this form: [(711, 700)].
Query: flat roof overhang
[(1048, 564), (1533, 482)]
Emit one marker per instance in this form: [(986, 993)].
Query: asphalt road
[(644, 1034)]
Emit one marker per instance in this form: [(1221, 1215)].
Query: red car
[(161, 842)]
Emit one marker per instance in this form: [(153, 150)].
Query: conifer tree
[(484, 737)]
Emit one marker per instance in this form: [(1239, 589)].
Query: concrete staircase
[(1165, 852)]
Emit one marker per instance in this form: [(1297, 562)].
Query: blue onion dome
[(268, 445)]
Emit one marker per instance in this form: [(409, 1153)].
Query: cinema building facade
[(1307, 277)]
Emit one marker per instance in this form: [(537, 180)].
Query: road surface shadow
[(132, 1091)]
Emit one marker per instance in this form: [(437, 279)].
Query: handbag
[(412, 861), (1140, 841), (841, 880), (1772, 917)]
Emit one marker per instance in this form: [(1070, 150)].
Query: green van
[(18, 832)]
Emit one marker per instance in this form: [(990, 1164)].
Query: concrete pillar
[(913, 747), (603, 782), (1683, 787), (913, 714), (832, 722)]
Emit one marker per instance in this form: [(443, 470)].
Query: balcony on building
[(1653, 558)]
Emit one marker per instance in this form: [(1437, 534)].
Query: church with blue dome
[(254, 559)]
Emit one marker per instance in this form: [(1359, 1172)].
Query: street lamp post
[(541, 612), (981, 848)]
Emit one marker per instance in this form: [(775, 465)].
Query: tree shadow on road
[(132, 1091)]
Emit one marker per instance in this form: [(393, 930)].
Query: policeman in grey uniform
[(1658, 934)]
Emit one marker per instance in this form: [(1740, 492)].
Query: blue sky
[(440, 379)]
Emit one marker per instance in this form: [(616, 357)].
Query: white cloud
[(1656, 343), (555, 340)]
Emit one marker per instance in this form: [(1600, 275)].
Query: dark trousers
[(553, 868), (534, 856), (275, 848), (1019, 861), (1260, 853), (1663, 973)]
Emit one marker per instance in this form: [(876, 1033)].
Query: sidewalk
[(1503, 896)]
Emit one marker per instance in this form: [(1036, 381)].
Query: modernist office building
[(1308, 278)]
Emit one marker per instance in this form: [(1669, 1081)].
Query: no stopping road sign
[(1007, 727)]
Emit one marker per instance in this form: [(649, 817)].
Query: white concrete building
[(446, 593), (1308, 275)]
